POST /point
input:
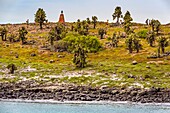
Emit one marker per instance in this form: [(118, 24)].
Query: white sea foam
[(83, 102)]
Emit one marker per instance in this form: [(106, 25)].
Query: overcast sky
[(18, 11)]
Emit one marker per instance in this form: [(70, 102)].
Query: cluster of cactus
[(115, 39), (79, 57), (151, 38), (81, 27), (11, 37), (133, 43), (3, 33), (155, 24), (56, 33), (162, 43)]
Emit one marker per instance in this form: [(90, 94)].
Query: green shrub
[(80, 45), (89, 43), (142, 34)]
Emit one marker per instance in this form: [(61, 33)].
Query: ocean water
[(19, 107)]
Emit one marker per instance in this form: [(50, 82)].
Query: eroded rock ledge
[(30, 90)]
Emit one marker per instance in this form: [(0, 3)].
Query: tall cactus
[(162, 43), (101, 32), (151, 38), (22, 34), (115, 40), (117, 14), (155, 24), (127, 22), (129, 43), (3, 33), (94, 21), (79, 57)]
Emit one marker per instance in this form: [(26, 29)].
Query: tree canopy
[(127, 22), (40, 17), (117, 14)]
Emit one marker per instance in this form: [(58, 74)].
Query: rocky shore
[(30, 90)]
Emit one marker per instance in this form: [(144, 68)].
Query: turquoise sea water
[(16, 107)]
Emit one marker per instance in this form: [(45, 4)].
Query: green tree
[(40, 17), (22, 34), (127, 22), (94, 21), (117, 14), (101, 32), (3, 33)]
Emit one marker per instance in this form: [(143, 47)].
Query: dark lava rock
[(52, 61), (33, 54), (134, 62)]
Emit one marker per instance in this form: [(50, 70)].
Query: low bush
[(89, 43), (61, 45), (142, 34)]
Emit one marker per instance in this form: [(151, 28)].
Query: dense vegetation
[(87, 52)]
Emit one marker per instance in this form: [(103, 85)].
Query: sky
[(18, 11)]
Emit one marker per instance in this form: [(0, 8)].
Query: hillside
[(108, 67)]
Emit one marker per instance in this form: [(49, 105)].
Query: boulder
[(33, 54), (52, 61), (114, 92), (16, 56), (60, 56), (148, 67), (134, 62)]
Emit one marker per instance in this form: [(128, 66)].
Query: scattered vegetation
[(74, 53)]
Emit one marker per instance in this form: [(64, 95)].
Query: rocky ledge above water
[(29, 90)]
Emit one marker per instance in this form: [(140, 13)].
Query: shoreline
[(32, 91), (82, 102)]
